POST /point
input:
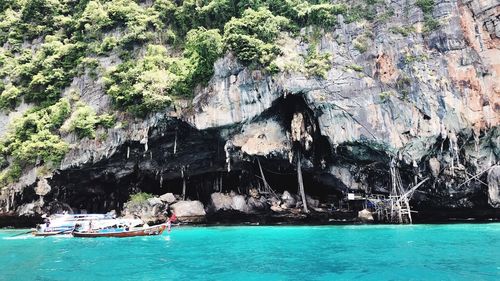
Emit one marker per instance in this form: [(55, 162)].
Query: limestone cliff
[(430, 99)]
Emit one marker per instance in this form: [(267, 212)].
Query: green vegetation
[(403, 30), (317, 64), (40, 77), (140, 197), (165, 49), (403, 85), (360, 44), (427, 6), (251, 36), (83, 121), (367, 10), (355, 67), (410, 58), (10, 174), (33, 139), (385, 96), (69, 35)]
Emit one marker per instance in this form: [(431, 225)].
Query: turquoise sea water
[(415, 252)]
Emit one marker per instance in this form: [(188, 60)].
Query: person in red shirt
[(169, 222)]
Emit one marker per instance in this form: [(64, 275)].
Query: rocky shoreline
[(227, 209)]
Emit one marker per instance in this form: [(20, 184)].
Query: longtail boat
[(121, 233), (51, 233), (65, 223)]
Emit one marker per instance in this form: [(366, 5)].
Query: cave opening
[(177, 153), (83, 193), (284, 109)]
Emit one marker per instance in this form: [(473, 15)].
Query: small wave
[(22, 237)]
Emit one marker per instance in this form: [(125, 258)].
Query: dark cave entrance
[(103, 194), (108, 184), (284, 109)]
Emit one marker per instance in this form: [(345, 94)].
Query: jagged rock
[(29, 209), (42, 187), (313, 203), (276, 209), (155, 201), (231, 201), (365, 216), (274, 201), (168, 197), (435, 167), (146, 211), (494, 186), (239, 204), (288, 200), (189, 211), (254, 193), (256, 205), (111, 213), (57, 207), (263, 138), (221, 201)]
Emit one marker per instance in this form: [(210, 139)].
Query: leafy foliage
[(145, 85), (33, 138), (203, 47), (251, 36), (10, 174), (403, 30), (427, 6), (166, 48), (83, 121), (150, 83), (317, 64), (140, 197)]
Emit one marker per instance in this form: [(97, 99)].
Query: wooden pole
[(475, 176), (175, 143), (301, 183), (267, 187), (183, 184)]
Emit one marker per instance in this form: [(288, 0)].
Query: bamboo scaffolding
[(301, 184), (267, 187)]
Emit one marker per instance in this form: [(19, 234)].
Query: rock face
[(428, 99), (221, 201), (365, 216), (494, 186), (240, 204), (42, 187), (236, 202), (189, 211), (289, 201), (168, 197), (150, 211)]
